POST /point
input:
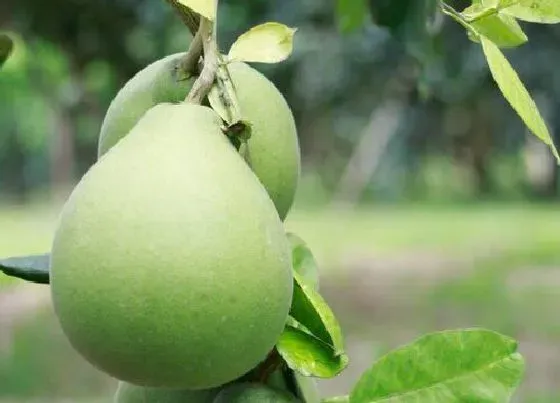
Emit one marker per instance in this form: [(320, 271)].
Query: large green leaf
[(308, 355), (303, 260), (312, 311), (515, 93), (33, 268), (539, 11), (470, 365), (351, 14)]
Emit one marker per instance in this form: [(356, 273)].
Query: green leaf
[(308, 355), (515, 93), (501, 29), (312, 311), (206, 8), (6, 47), (469, 365), (270, 42), (303, 261), (351, 14), (33, 268), (539, 11)]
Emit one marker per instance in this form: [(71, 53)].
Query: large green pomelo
[(156, 83), (128, 393), (170, 266), (253, 393), (273, 149)]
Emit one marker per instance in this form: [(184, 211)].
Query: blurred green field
[(524, 231), (507, 256)]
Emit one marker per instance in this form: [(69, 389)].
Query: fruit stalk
[(188, 65), (221, 75), (205, 80)]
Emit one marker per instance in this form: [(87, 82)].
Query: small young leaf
[(312, 311), (206, 8), (470, 365), (515, 93), (538, 11), (270, 42), (308, 355), (303, 261), (6, 47), (503, 30), (33, 268), (351, 14)]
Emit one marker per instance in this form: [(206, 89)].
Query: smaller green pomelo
[(253, 393), (273, 150), (129, 393), (156, 83)]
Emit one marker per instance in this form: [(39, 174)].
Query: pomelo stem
[(205, 80), (189, 64), (214, 70)]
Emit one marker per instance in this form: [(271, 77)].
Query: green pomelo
[(128, 393), (156, 83), (170, 266), (273, 149), (253, 393)]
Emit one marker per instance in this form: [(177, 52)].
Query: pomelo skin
[(170, 266), (156, 83), (128, 393), (253, 393), (273, 149)]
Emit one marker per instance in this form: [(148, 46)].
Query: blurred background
[(425, 200)]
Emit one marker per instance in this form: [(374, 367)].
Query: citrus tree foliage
[(491, 23)]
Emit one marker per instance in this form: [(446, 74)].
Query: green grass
[(522, 230), (334, 235)]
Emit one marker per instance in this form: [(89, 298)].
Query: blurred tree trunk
[(13, 170), (540, 165), (480, 145), (383, 125), (61, 150)]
